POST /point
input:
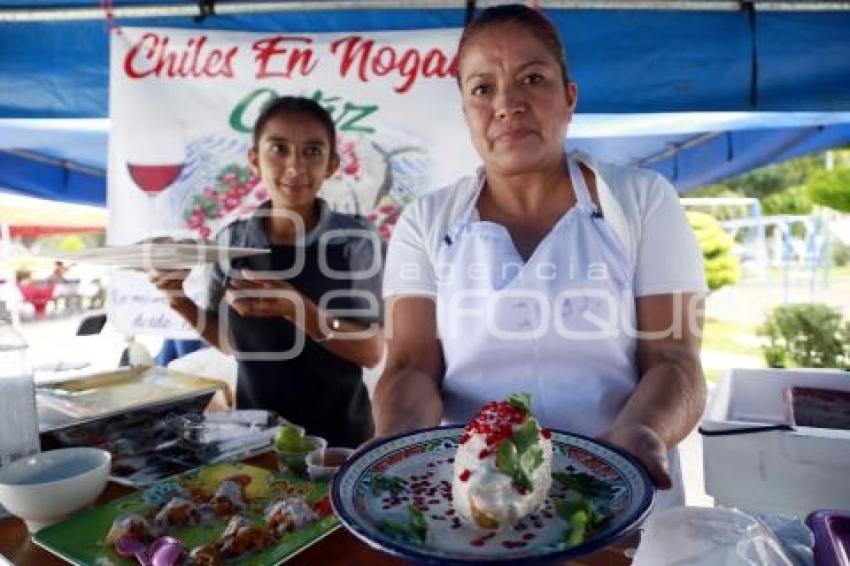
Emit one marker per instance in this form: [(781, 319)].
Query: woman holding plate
[(575, 280), (304, 319)]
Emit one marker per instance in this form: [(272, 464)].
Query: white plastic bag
[(708, 536)]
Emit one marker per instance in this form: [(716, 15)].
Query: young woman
[(303, 319), (545, 272)]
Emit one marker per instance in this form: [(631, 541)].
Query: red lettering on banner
[(408, 67), (409, 64), (212, 63), (453, 66), (435, 64), (384, 61), (152, 56), (352, 51), (293, 58)]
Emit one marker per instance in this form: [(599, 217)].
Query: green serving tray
[(81, 539)]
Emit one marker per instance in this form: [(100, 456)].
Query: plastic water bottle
[(18, 415)]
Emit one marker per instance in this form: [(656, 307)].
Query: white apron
[(559, 326)]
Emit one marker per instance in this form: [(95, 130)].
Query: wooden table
[(340, 548)]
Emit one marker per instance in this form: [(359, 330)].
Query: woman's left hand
[(644, 444), (252, 295)]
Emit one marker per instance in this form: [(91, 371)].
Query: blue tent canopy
[(784, 76), (626, 61), (66, 159), (697, 149)]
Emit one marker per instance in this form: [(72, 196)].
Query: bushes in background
[(806, 335), (831, 188), (721, 265)]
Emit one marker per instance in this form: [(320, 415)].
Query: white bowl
[(318, 467), (47, 487)]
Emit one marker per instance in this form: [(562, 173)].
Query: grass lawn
[(796, 273), (724, 342), (842, 272), (733, 337), (712, 375)]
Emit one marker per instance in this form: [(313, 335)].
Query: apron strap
[(467, 212), (583, 199)]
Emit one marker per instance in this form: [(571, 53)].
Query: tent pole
[(64, 163), (222, 7), (675, 149)]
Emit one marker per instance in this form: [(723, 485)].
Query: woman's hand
[(670, 395), (644, 444), (251, 295), (407, 395), (205, 323), (170, 281)]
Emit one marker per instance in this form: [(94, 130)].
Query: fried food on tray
[(241, 537), (229, 498), (179, 511), (130, 525), (207, 555), (288, 514), (244, 533)]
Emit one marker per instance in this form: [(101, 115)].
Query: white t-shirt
[(641, 205)]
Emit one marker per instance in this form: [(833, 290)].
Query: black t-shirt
[(339, 266)]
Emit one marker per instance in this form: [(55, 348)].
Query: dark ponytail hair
[(295, 106), (534, 22)]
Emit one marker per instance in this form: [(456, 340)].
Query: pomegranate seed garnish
[(513, 544)]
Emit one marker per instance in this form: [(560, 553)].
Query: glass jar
[(18, 415)]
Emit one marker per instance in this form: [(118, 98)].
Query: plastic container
[(832, 537), (707, 536), (18, 415), (324, 465), (755, 459), (819, 407)]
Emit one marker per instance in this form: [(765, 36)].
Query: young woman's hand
[(644, 444), (170, 281), (251, 295)]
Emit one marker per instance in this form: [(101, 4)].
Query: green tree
[(721, 265), (831, 188), (793, 200), (768, 180)]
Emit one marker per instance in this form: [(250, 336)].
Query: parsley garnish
[(416, 531), (380, 484), (584, 484), (521, 401), (581, 518), (520, 455)]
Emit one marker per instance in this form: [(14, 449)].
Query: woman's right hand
[(647, 446), (170, 281), (205, 323)]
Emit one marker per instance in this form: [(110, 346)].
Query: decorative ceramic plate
[(81, 539), (376, 488)]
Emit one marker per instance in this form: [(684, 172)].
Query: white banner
[(183, 102)]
